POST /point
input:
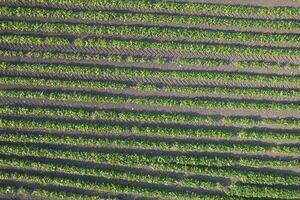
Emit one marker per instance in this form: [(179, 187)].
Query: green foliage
[(163, 18), (149, 32), (185, 103), (210, 167), (244, 171), (130, 72), (33, 40), (115, 58)]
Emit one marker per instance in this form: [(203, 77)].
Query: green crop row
[(138, 45), (63, 83), (147, 32), (104, 114), (42, 193), (144, 116), (191, 75), (178, 47), (158, 163), (153, 117), (189, 160), (107, 98), (159, 131), (96, 186), (33, 40), (12, 191), (262, 135), (115, 58), (160, 60), (61, 168), (262, 191), (260, 92), (159, 145), (152, 18), (110, 173), (146, 87), (180, 62), (220, 9), (139, 117)]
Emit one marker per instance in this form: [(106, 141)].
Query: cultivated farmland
[(149, 99)]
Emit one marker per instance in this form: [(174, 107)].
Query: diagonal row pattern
[(129, 99)]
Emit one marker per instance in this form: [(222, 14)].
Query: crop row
[(261, 192), (174, 46), (33, 40), (188, 157), (154, 114), (179, 99), (129, 59), (148, 32), (152, 18), (117, 49), (193, 8), (64, 81), (207, 181), (253, 114), (105, 114), (133, 59), (263, 134), (52, 126), (104, 96), (243, 68), (13, 123), (150, 45), (116, 140), (160, 131), (111, 173), (62, 170), (178, 164), (38, 193), (46, 177), (148, 117), (130, 72), (175, 7)]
